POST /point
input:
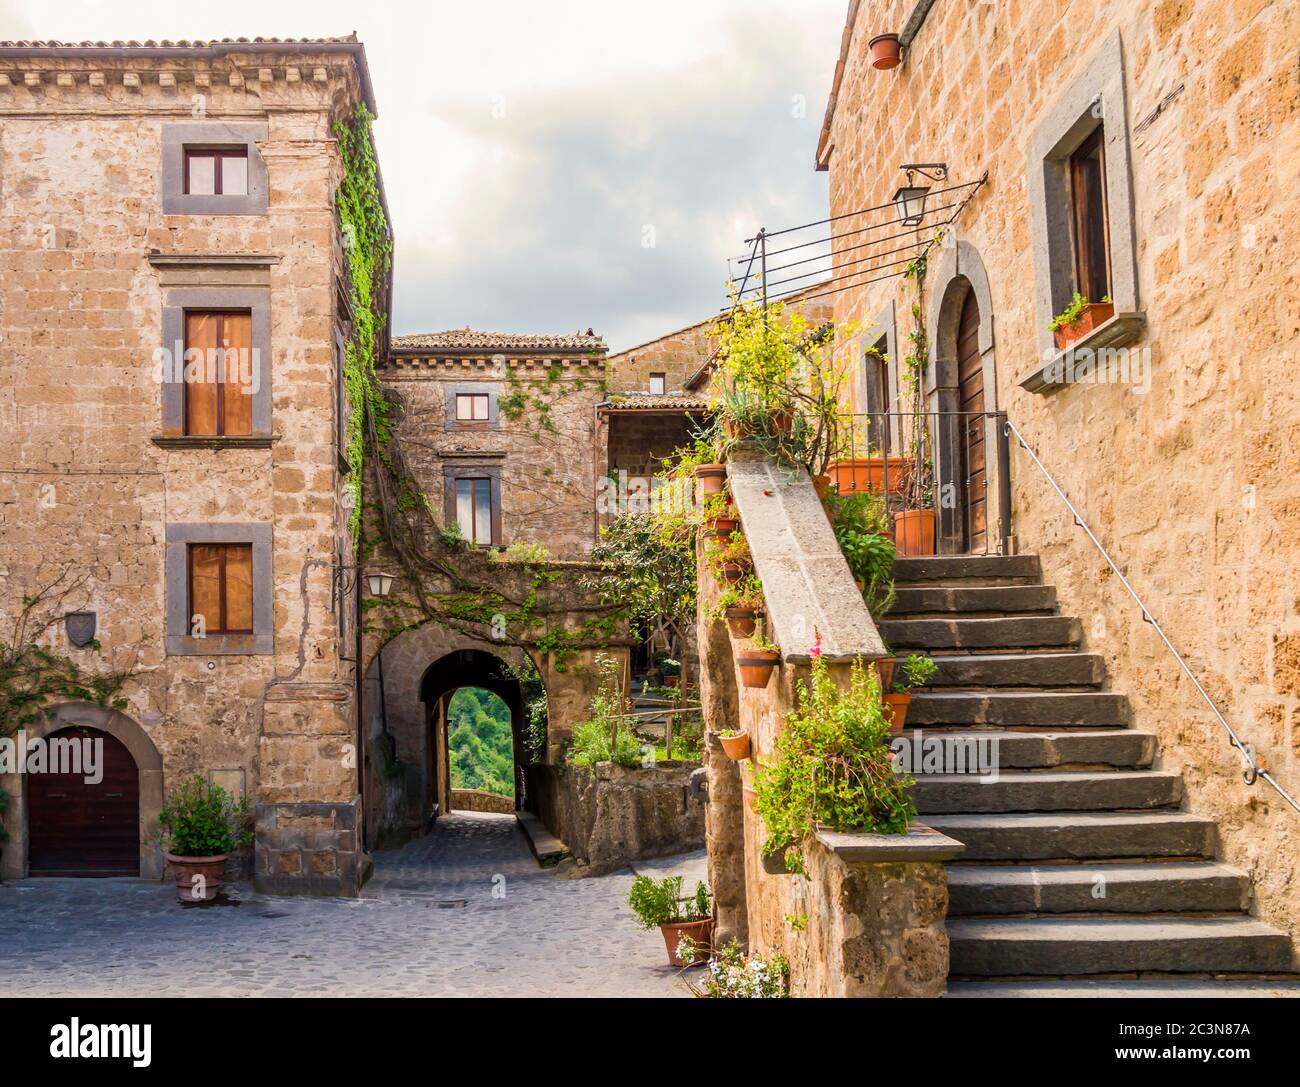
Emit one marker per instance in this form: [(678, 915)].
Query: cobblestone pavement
[(428, 924)]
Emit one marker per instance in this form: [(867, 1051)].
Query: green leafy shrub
[(527, 553), (660, 902), (201, 819), (860, 521), (832, 766), (916, 671), (605, 736)]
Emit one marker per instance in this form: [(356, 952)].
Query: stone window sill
[(195, 441), (920, 845), (1120, 331), (220, 645)]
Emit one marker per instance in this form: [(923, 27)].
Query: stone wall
[(87, 480), (610, 815), (1190, 484), (478, 800)]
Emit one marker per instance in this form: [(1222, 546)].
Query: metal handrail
[(1253, 770)]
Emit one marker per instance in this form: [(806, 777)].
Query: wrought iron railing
[(1252, 769)]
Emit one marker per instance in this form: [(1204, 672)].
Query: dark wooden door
[(80, 829), (970, 380)]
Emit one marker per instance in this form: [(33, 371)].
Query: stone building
[(157, 198), (1145, 156)]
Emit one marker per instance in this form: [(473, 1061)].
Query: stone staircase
[(1079, 862)]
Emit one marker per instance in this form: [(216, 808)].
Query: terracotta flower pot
[(896, 710), (756, 666), (198, 879), (782, 422), (871, 474), (750, 798), (736, 747), (672, 681), (884, 669), (822, 485), (741, 621), (886, 51), (699, 931), (721, 526), (774, 863), (712, 477), (914, 532), (733, 571), (736, 430), (1094, 314)]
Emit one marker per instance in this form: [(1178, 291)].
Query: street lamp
[(380, 583)]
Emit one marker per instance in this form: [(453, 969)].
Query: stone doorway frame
[(149, 765)]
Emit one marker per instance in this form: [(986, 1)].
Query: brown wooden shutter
[(200, 392), (237, 339), (239, 587), (205, 586)]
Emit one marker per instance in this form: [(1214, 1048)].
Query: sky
[(561, 165)]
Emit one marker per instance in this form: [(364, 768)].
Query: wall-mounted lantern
[(909, 201), (380, 584)]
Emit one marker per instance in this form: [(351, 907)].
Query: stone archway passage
[(83, 827)]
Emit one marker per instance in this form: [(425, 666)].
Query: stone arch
[(957, 273), (148, 761)]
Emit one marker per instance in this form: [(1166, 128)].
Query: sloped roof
[(197, 43), (651, 402), (470, 339)]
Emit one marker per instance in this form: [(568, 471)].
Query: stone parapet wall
[(610, 815), (478, 800), (309, 848)]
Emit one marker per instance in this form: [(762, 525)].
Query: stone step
[(1020, 670), (1049, 709), (1038, 750), (1028, 791), (1037, 946), (1000, 633), (957, 567), (1204, 887), (1010, 599), (1078, 835), (1148, 988)]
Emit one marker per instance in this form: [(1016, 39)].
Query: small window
[(216, 171), (474, 509), (219, 377), (471, 407), (221, 588), (876, 379), (658, 384), (1088, 207)]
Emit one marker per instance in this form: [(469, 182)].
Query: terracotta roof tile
[(473, 340), (651, 402), (197, 43)]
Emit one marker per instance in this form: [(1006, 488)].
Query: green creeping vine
[(368, 242), (471, 600)]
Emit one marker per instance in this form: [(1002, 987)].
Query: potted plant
[(916, 671), (719, 516), (859, 522), (757, 662), (735, 742), (741, 604), (831, 766), (1079, 318), (886, 51), (671, 670), (202, 825), (733, 975), (733, 560), (660, 903)]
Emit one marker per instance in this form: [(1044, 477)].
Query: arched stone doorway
[(75, 851), (962, 384)]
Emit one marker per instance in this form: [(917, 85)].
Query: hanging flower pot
[(1094, 314), (756, 666), (896, 710), (751, 799), (914, 532), (873, 474), (712, 478), (736, 745), (721, 526), (733, 571), (884, 669), (886, 51), (742, 622)]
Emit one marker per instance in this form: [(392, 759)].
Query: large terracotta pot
[(756, 666), (886, 52), (914, 532), (742, 622), (699, 931), (870, 474), (198, 879), (896, 710), (712, 477), (1094, 314), (736, 747)]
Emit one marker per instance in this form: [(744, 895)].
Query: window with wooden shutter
[(1088, 214), (219, 378), (221, 587), (474, 509), (215, 171), (472, 407)]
